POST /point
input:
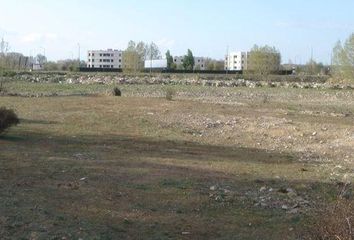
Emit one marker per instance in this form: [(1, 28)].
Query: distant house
[(159, 64), (37, 67), (105, 59)]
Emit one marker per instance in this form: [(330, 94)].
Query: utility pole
[(150, 58), (228, 59), (79, 52)]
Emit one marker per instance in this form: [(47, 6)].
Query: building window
[(93, 54), (111, 60), (100, 60), (120, 60), (89, 54), (111, 66)]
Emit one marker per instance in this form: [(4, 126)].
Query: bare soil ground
[(213, 163)]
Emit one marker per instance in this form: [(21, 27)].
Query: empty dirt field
[(213, 163)]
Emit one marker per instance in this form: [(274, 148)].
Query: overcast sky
[(207, 27)]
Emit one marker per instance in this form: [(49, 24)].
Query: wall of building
[(236, 61), (156, 64), (105, 59), (199, 63)]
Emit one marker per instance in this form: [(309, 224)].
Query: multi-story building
[(105, 59), (236, 61), (199, 63)]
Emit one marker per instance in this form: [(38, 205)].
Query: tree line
[(262, 60)]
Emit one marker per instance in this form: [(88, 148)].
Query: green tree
[(219, 65), (188, 61), (132, 59), (136, 54), (14, 60), (343, 59), (263, 60), (4, 48), (214, 65), (41, 59), (51, 66), (313, 68), (152, 51), (169, 59), (131, 46)]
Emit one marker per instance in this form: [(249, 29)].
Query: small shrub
[(169, 93), (8, 74), (265, 98), (2, 88), (117, 92), (335, 221), (8, 118)]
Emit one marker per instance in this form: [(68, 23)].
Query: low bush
[(2, 88), (169, 93), (335, 221), (8, 74), (8, 118), (117, 92)]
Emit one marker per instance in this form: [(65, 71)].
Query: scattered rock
[(284, 207)]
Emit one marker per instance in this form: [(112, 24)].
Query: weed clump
[(8, 118), (169, 93), (2, 88), (117, 92), (335, 221)]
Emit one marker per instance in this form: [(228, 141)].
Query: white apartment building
[(105, 59), (236, 61), (199, 63)]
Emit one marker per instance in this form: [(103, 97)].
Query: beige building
[(105, 59)]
